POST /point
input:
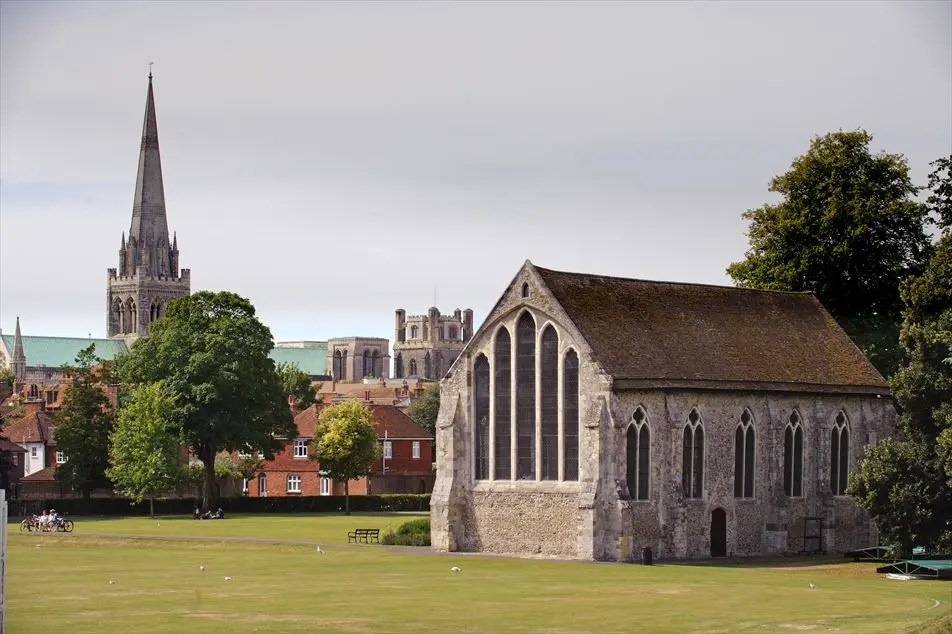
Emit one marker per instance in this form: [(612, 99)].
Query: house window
[(325, 485), (793, 457), (416, 450), (638, 445), (294, 484), (570, 414), (300, 448), (525, 397), (262, 485), (502, 359), (692, 456), (744, 457), (60, 457), (549, 394), (244, 486), (839, 455), (388, 449), (33, 452)]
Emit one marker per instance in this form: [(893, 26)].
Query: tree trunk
[(210, 490), (151, 507), (346, 497)]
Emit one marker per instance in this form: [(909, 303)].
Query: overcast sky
[(332, 162)]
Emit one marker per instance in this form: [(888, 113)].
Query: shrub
[(412, 533)]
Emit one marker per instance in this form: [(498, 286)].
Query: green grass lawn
[(61, 582)]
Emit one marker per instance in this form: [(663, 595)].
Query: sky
[(332, 162)]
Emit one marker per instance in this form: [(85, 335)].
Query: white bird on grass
[(813, 586), (455, 568), (227, 578), (320, 550), (202, 568), (112, 582)]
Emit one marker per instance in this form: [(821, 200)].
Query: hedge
[(179, 506)]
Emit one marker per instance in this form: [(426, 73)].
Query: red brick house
[(407, 465)]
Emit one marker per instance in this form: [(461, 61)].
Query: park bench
[(366, 535)]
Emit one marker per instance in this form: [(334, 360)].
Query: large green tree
[(907, 483), (847, 228), (345, 443), (297, 383), (82, 427), (143, 452), (425, 408), (211, 353)]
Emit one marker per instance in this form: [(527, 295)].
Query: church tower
[(148, 275)]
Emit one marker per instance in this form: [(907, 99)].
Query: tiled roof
[(312, 360), (43, 475), (666, 333), (54, 352), (34, 427), (6, 445), (387, 419)]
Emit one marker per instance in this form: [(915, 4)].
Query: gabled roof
[(33, 427), (43, 475), (6, 445), (54, 352), (675, 334), (388, 420)]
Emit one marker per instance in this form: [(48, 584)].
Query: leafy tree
[(7, 377), (297, 383), (907, 484), (940, 184), (82, 427), (143, 453), (345, 443), (426, 408), (848, 229), (211, 353)]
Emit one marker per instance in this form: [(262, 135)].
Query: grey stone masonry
[(701, 485)]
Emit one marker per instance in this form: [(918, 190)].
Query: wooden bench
[(365, 535)]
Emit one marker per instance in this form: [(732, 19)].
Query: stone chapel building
[(592, 416), (148, 275)]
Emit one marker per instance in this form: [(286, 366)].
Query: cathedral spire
[(19, 359), (149, 226)]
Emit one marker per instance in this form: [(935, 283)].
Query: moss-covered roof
[(54, 352), (695, 334)]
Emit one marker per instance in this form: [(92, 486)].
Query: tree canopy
[(211, 353), (297, 383), (345, 443), (143, 453), (82, 427), (425, 409), (847, 228)]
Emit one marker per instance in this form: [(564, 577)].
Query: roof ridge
[(673, 283), (73, 338)]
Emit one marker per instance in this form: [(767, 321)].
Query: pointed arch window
[(638, 453), (570, 419), (414, 332), (343, 365), (525, 397), (399, 365), (549, 394), (839, 454), (525, 290), (744, 457), (427, 373), (367, 368), (692, 456), (481, 433), (793, 456), (413, 367), (502, 364), (336, 368)]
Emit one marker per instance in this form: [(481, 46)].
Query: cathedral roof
[(311, 360), (54, 352), (668, 334)]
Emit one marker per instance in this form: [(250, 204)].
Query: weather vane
[(150, 69)]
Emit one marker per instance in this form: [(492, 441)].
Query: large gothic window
[(692, 456), (481, 433), (525, 397), (502, 364), (793, 457), (427, 369), (367, 369), (549, 360), (117, 325), (744, 457), (337, 368), (570, 418), (839, 455), (132, 323), (399, 365), (638, 454), (413, 367)]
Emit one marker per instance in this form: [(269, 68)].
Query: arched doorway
[(718, 533)]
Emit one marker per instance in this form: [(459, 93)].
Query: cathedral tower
[(148, 275)]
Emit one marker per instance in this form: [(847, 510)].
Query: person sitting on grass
[(219, 514), (197, 514)]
